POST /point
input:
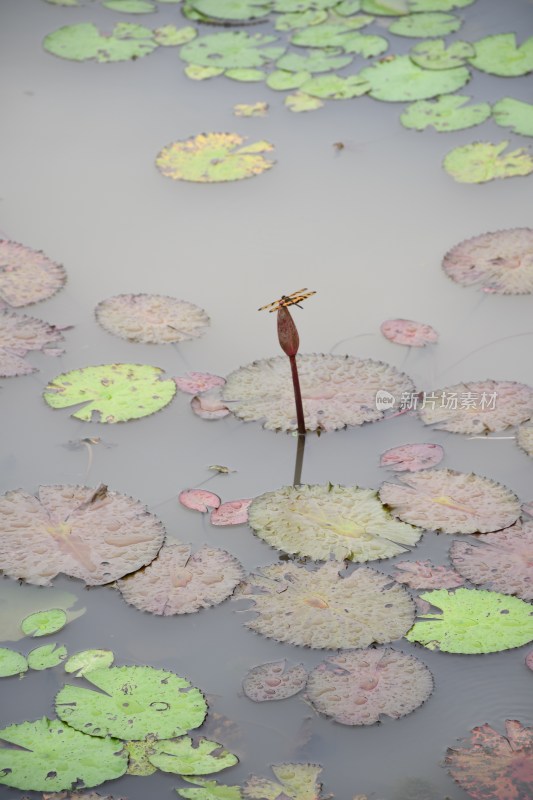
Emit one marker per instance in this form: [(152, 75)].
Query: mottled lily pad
[(27, 276), (274, 681), (44, 623), (408, 332), (20, 335), (11, 663), (500, 55), (365, 45), (197, 382), (170, 36), (209, 405), (425, 575), (402, 80), (282, 80), (321, 610), (231, 50), (494, 767), (435, 54), (451, 502), (336, 88), (213, 157), (514, 114), (300, 19), (88, 660), (412, 457), (51, 756), (358, 688), (294, 782), (151, 318), (133, 703), (178, 582), (300, 101), (446, 113), (501, 560), (473, 621), (524, 439), (336, 390), (234, 512), (47, 656), (326, 521), (84, 41), (95, 535), (499, 262), (199, 499), (483, 161), (259, 109), (182, 756), (430, 23), (209, 790), (111, 392), (196, 72)]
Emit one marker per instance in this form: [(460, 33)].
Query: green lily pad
[(56, 757), (303, 19), (438, 5), (130, 6), (111, 392), (363, 44), (400, 80), (138, 763), (84, 41), (435, 54), (483, 161), (47, 656), (63, 2), (428, 24), (329, 34), (43, 623), (88, 660), (385, 8), (231, 50), (300, 101), (210, 790), (232, 9), (514, 114), (473, 621), (11, 662), (281, 80), (198, 73), (335, 87), (134, 702), (348, 7), (182, 756), (500, 55), (446, 113), (299, 6), (212, 158), (315, 61), (170, 36), (245, 75)]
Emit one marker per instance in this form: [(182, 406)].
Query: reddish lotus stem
[(297, 396), (290, 341)]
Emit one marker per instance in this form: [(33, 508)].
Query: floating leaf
[(500, 560), (425, 575), (364, 45), (177, 582), (151, 318), (300, 19), (357, 688), (258, 109), (221, 469), (451, 502), (274, 681), (321, 610), (500, 262), (111, 392), (210, 790), (11, 663), (473, 621), (495, 767), (84, 41), (44, 623), (213, 157), (231, 50), (478, 407), (197, 382), (412, 457), (51, 756), (182, 756), (138, 752), (447, 113), (435, 54), (238, 10), (314, 61), (133, 703), (431, 23), (402, 80), (524, 439), (245, 75), (405, 331), (483, 161), (95, 535), (26, 275), (198, 73), (302, 102), (88, 660), (387, 8), (325, 521), (329, 34), (336, 391), (514, 114), (296, 782), (281, 80), (47, 656), (209, 405), (293, 6), (500, 55), (438, 5), (18, 336), (170, 36), (335, 87), (199, 499), (130, 6), (235, 512)]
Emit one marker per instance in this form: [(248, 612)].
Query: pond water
[(366, 227)]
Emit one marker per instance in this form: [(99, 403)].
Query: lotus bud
[(287, 333)]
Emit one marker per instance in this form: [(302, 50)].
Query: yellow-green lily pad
[(11, 662), (435, 54), (43, 623), (237, 10), (84, 41), (88, 660), (364, 44), (300, 101), (47, 656), (514, 114), (294, 782), (483, 161), (401, 80), (170, 36), (209, 790), (245, 75), (446, 113), (386, 8), (500, 55), (433, 23), (130, 6), (183, 757), (315, 61), (231, 50), (197, 72), (335, 87), (258, 109), (282, 80), (301, 19)]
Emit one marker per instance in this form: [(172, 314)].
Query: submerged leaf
[(302, 102), (21, 334), (296, 782), (88, 660), (209, 405), (183, 756), (358, 688), (111, 392), (483, 161), (199, 499), (500, 55), (402, 80), (84, 41), (151, 318), (425, 575), (473, 621), (133, 703), (446, 113), (412, 457), (43, 623), (47, 656), (27, 276), (234, 512), (274, 681), (408, 332), (11, 663)]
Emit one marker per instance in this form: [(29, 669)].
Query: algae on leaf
[(84, 41), (514, 114), (500, 55), (483, 161), (445, 113)]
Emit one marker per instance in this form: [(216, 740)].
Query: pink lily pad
[(425, 575), (20, 335), (274, 681), (26, 275), (209, 405), (233, 513), (199, 499), (408, 332), (529, 660), (198, 382), (412, 457)]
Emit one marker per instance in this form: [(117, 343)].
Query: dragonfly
[(293, 299)]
